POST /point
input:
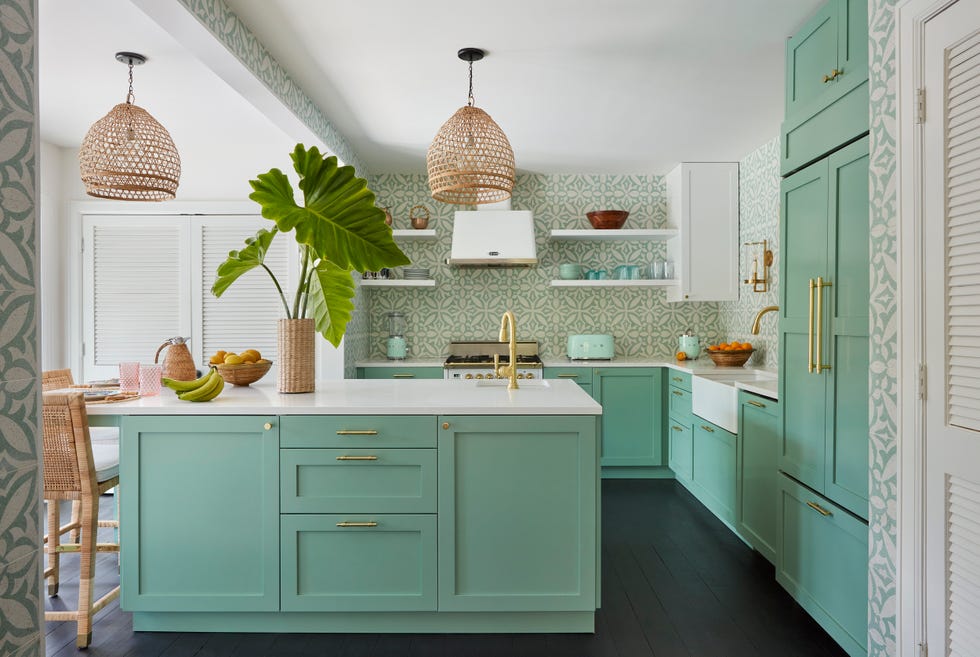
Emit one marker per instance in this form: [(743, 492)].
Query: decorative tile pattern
[(758, 188), (20, 549), (356, 338), (884, 340), (237, 38), (466, 304)]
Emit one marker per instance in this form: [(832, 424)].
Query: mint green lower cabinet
[(347, 431), (364, 562), (358, 480), (580, 375), (681, 449), (199, 519), (518, 505), (434, 372), (714, 468), (822, 561), (758, 446), (632, 415)]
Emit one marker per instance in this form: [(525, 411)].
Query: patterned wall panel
[(20, 618), (467, 303), (884, 339), (758, 188)]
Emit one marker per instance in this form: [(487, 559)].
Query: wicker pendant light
[(127, 155), (470, 160)]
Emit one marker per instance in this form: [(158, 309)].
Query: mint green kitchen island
[(367, 506)]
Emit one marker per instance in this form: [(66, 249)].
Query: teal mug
[(570, 271)]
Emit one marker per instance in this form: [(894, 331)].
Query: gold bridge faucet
[(758, 318), (508, 334)]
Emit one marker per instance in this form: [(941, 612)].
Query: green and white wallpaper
[(466, 304), (20, 530)]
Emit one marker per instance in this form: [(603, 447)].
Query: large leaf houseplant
[(339, 230)]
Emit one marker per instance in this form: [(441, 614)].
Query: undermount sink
[(521, 383)]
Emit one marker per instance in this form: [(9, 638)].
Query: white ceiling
[(620, 86)]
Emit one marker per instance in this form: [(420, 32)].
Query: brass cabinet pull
[(834, 74), (677, 378), (676, 428), (758, 404), (677, 392), (819, 509), (267, 426), (357, 524), (809, 332), (357, 432), (708, 429), (821, 284), (357, 458), (445, 425), (403, 375), (568, 376)]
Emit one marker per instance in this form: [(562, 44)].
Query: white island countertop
[(375, 397)]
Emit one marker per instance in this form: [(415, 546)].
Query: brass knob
[(520, 375), (530, 375), (469, 376), (445, 425), (267, 425), (479, 376)]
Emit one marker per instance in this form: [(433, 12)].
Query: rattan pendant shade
[(127, 155), (470, 160)]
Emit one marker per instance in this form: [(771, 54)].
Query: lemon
[(255, 353), (217, 359), (233, 359), (247, 357)]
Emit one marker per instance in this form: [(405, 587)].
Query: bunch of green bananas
[(204, 389)]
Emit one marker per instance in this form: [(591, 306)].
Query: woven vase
[(296, 355)]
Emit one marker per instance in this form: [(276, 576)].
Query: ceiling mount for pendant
[(127, 155), (470, 160)]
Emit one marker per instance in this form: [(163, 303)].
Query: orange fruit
[(681, 355), (714, 347)]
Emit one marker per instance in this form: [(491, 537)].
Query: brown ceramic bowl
[(605, 219), (244, 374)]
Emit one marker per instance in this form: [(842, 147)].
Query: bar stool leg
[(86, 581), (54, 540)]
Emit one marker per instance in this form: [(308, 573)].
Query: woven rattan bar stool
[(77, 470)]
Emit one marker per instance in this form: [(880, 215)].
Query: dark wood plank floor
[(675, 583)]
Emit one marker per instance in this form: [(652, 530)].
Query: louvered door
[(951, 151), (136, 273)]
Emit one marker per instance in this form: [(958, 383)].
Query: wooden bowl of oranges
[(730, 354), (242, 368)]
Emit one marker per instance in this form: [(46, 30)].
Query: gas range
[(474, 360)]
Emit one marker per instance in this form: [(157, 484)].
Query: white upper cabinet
[(702, 205)]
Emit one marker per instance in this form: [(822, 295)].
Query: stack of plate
[(415, 273)]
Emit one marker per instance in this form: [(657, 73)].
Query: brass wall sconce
[(760, 283)]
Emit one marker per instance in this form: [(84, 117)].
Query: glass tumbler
[(150, 380), (129, 377)]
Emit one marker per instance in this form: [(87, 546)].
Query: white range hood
[(493, 238)]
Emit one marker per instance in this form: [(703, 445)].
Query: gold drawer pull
[(757, 404), (676, 428), (677, 378), (834, 74), (445, 425), (357, 432), (357, 458), (357, 524), (678, 393), (707, 428), (403, 375), (819, 509), (568, 376), (267, 426)]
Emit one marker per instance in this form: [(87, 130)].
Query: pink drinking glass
[(129, 377), (150, 380)]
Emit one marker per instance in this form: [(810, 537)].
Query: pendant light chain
[(470, 103), (130, 97)]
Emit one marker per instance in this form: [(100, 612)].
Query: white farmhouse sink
[(715, 400)]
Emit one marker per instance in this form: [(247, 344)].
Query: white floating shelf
[(614, 283), (397, 282), (620, 235), (428, 234)]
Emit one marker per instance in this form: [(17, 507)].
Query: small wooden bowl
[(244, 374), (730, 358), (607, 219)]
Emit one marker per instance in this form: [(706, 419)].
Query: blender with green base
[(397, 349)]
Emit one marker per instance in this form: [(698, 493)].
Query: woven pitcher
[(296, 355), (178, 364)]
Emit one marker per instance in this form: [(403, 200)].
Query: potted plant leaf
[(339, 230)]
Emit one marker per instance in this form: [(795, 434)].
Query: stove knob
[(469, 376), (520, 375), (530, 375), (479, 376)]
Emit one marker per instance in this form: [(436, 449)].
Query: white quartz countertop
[(406, 362), (375, 397)]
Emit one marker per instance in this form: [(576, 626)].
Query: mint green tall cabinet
[(824, 316), (518, 505), (200, 515), (632, 425)]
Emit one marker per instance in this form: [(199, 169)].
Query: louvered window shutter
[(135, 289), (963, 236), (245, 316)]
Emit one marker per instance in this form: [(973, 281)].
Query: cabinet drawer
[(358, 480), (714, 468), (681, 448), (357, 431), (358, 562), (676, 378), (580, 375), (679, 402), (399, 372), (822, 560)]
